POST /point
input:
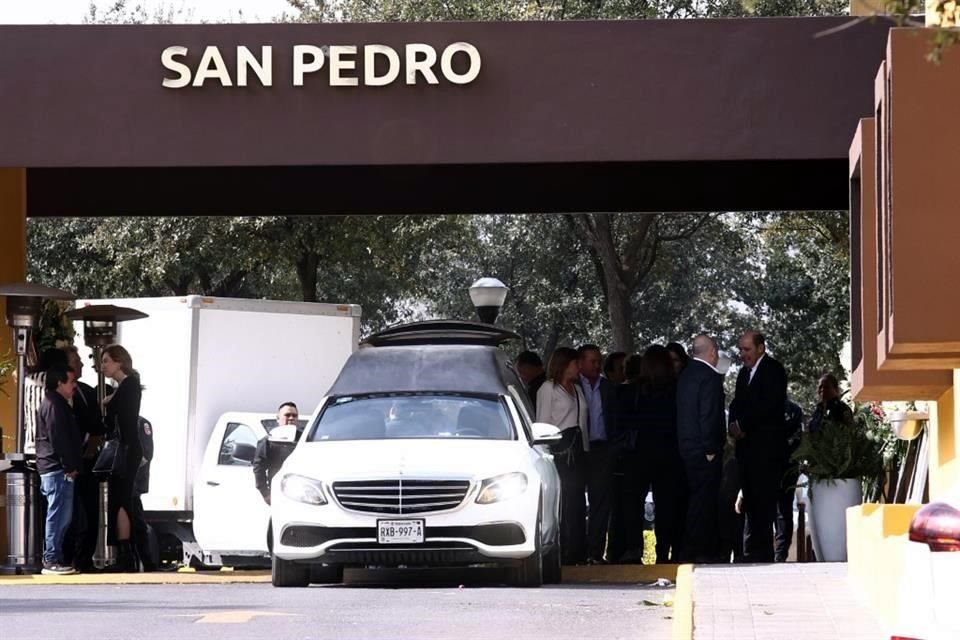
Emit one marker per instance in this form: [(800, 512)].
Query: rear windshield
[(403, 416)]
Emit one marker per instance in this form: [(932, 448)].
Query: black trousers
[(600, 465), (762, 471), (783, 534), (701, 529), (657, 467), (573, 508), (81, 541)]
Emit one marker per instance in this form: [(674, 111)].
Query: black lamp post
[(24, 529), (487, 295)]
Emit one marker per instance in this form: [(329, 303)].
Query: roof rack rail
[(440, 332)]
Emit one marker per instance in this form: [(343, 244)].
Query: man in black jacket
[(701, 434), (532, 374), (58, 447), (273, 450), (757, 422), (81, 541)]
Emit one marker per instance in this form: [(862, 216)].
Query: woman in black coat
[(646, 415), (121, 417)]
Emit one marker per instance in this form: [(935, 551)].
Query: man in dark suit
[(757, 423), (532, 374), (602, 455), (701, 434)]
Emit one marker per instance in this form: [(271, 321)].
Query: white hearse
[(422, 453)]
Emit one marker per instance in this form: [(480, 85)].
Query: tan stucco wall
[(867, 382), (920, 108)]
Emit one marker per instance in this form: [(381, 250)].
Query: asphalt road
[(408, 609)]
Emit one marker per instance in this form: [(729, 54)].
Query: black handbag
[(110, 459)]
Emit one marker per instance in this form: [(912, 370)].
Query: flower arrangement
[(876, 421)]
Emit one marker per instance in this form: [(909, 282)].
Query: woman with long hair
[(561, 402), (647, 418), (121, 418)]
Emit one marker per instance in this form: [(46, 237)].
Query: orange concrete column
[(944, 444), (13, 268)]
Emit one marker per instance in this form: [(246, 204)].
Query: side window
[(521, 401), (238, 446)]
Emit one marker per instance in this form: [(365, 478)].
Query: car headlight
[(503, 487), (302, 489)]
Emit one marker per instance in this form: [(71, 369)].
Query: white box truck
[(210, 366)]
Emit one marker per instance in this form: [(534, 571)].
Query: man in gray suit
[(701, 432)]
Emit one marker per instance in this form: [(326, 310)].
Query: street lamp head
[(488, 295)]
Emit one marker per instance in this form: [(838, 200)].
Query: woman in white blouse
[(561, 402)]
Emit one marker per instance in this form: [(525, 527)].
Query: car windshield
[(402, 416)]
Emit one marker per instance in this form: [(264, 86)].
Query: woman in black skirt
[(121, 415)]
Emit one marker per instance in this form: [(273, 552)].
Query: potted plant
[(837, 460)]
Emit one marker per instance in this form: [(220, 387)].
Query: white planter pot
[(829, 501)]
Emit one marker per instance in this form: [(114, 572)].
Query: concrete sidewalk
[(806, 601)]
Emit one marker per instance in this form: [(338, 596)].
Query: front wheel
[(529, 573), (286, 573)]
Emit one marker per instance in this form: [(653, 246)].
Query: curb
[(172, 577), (619, 573), (683, 604)]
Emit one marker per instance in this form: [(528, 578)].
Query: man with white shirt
[(601, 454), (701, 434), (757, 422)]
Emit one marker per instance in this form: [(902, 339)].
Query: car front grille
[(400, 496)]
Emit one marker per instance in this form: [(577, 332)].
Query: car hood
[(414, 458)]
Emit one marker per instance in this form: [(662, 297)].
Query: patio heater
[(487, 295), (24, 527), (100, 331)]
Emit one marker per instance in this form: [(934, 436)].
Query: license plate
[(399, 531)]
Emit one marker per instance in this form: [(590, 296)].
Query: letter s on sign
[(182, 70)]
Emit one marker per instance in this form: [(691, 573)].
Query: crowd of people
[(721, 475), (81, 443)]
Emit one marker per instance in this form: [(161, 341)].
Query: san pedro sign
[(372, 65)]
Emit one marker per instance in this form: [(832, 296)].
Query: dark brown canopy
[(564, 116)]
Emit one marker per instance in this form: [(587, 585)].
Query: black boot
[(126, 559)]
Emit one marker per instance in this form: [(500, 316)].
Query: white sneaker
[(56, 569)]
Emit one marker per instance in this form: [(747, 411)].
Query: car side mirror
[(545, 433)]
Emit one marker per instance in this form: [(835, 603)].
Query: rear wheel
[(285, 573)]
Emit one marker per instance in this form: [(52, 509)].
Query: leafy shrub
[(841, 450)]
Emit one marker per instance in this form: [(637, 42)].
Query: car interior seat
[(477, 422)]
